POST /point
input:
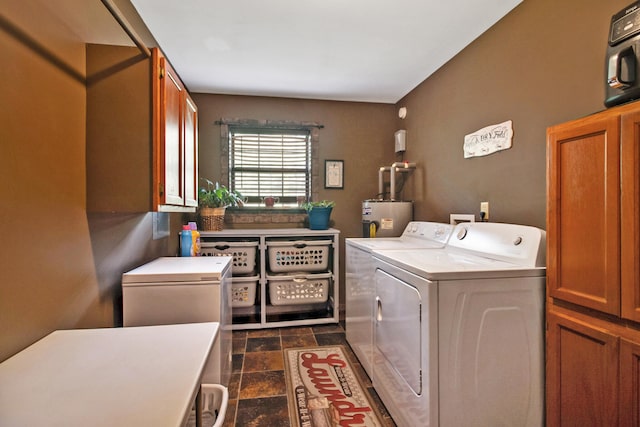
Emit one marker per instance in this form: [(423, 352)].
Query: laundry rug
[(325, 389)]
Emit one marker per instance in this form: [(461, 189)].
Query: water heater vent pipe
[(395, 168), (381, 172)]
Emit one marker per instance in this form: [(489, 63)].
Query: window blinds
[(270, 162)]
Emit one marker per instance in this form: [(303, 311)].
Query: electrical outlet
[(484, 207)]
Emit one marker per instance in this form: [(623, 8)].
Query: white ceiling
[(357, 50)]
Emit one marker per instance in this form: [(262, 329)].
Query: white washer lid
[(179, 269), (445, 264), (417, 234), (517, 244)]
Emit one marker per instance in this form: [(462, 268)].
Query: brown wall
[(541, 65), (59, 267), (48, 277), (361, 134)]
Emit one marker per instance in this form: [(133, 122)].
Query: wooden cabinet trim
[(630, 216), (629, 406)]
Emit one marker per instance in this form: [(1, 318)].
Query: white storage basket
[(243, 253), (215, 399), (243, 291), (308, 255), (299, 288)]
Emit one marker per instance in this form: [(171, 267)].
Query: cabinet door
[(190, 152), (583, 212), (629, 383), (630, 216), (172, 103), (168, 133), (582, 374)]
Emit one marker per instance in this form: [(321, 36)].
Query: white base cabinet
[(280, 277)]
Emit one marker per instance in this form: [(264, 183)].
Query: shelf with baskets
[(281, 277)]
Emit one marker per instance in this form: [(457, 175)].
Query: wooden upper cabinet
[(175, 138), (630, 216), (583, 213)]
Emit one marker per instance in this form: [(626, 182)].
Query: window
[(267, 158)]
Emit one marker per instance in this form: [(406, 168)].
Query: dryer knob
[(517, 240)]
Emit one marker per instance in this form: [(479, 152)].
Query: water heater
[(385, 218)]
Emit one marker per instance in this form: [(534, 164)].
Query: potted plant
[(213, 199), (319, 214)]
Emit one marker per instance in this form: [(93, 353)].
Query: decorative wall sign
[(488, 140), (333, 174)]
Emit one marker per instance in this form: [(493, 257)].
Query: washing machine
[(175, 290), (359, 286), (459, 331)]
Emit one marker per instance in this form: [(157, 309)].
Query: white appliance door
[(165, 303), (405, 354), (172, 303), (360, 297), (491, 352)]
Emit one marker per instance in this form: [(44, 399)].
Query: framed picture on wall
[(334, 174)]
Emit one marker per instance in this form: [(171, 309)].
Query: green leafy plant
[(321, 204), (218, 196)]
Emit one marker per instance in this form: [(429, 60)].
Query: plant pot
[(212, 218), (319, 218)]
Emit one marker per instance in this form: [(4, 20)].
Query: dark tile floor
[(258, 391)]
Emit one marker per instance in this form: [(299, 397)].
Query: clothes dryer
[(359, 285), (459, 331)]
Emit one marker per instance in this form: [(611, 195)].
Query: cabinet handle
[(378, 310)]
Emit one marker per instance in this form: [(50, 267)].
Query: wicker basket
[(212, 218)]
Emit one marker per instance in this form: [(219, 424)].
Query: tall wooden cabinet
[(142, 138), (593, 264)]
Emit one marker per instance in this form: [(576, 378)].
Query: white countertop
[(135, 376)]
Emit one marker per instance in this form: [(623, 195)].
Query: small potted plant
[(213, 200), (319, 214)]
